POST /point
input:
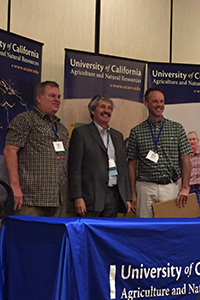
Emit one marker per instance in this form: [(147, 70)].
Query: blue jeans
[(196, 190)]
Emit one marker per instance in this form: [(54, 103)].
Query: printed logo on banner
[(135, 258), (169, 271), (87, 74), (20, 60), (179, 83)]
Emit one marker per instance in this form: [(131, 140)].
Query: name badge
[(59, 149), (112, 168), (153, 156)]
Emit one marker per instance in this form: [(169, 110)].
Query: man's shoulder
[(24, 114), (22, 117), (63, 129), (84, 128), (62, 126), (196, 153), (172, 123), (116, 132), (140, 126), (82, 131), (173, 126)]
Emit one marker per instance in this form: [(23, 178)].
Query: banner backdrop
[(20, 60), (181, 87), (87, 74)]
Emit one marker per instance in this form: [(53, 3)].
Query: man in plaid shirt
[(158, 153), (35, 153), (195, 164)]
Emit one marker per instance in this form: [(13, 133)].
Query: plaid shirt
[(43, 177), (195, 167), (172, 145)]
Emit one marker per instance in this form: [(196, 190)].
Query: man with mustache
[(98, 173), (158, 153), (35, 152)]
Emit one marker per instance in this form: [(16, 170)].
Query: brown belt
[(163, 181)]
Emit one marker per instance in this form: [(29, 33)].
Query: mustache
[(105, 113)]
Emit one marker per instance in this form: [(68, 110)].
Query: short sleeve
[(18, 130)]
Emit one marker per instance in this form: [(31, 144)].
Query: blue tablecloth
[(99, 259)]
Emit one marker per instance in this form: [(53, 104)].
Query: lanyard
[(108, 134), (105, 139), (55, 130), (156, 140)]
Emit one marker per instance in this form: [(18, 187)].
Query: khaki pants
[(38, 211), (149, 193)]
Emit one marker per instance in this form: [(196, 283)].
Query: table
[(99, 259)]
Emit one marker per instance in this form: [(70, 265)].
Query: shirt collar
[(197, 152), (100, 129), (160, 123), (45, 116)]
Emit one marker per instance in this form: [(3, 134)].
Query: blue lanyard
[(55, 130), (153, 137)]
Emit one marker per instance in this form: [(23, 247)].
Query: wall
[(186, 32), (3, 14), (136, 29), (67, 25)]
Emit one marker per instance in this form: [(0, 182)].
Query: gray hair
[(95, 100), (193, 132)]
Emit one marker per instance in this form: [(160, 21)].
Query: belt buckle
[(164, 181)]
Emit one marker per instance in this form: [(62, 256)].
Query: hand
[(134, 203), (18, 197), (181, 200), (128, 206), (80, 206)]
